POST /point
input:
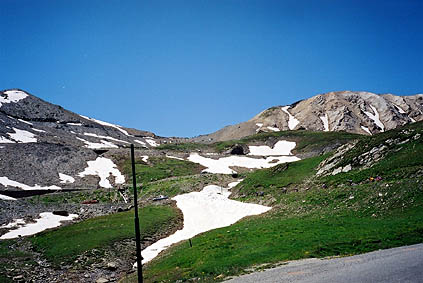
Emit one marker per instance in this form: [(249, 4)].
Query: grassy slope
[(99, 232), (348, 215), (159, 168)]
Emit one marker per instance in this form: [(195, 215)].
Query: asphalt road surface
[(404, 264)]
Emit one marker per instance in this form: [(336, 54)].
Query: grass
[(159, 168), (66, 243)]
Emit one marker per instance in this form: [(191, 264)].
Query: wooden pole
[(137, 223)]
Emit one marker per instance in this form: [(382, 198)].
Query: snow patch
[(40, 131), (325, 120), (22, 136), (144, 158), (74, 124), (292, 122), (280, 148), (274, 129), (203, 211), (3, 197), (366, 129), (66, 178), (259, 125), (103, 167), (12, 96), (5, 140), (93, 145), (46, 221), (107, 124), (14, 223), (375, 118), (26, 122), (104, 137), (10, 183), (222, 165), (174, 157), (152, 142), (141, 143), (400, 110)]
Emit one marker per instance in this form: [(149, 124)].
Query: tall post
[(137, 223)]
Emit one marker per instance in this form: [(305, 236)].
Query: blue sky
[(184, 68)]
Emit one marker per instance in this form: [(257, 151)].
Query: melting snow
[(400, 110), (366, 129), (3, 197), (204, 211), (274, 129), (66, 178), (174, 157), (144, 158), (280, 148), (26, 122), (7, 182), (107, 124), (37, 130), (292, 122), (93, 145), (103, 167), (104, 137), (46, 221), (221, 165), (5, 140), (412, 120), (141, 143), (22, 136), (375, 117), (152, 142), (259, 125), (14, 223), (75, 124), (12, 96), (325, 121)]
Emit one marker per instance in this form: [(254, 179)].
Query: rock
[(61, 212), (102, 280), (111, 266)]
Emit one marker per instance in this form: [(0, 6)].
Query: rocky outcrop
[(355, 112)]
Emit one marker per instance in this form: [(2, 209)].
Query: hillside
[(354, 112), (245, 203)]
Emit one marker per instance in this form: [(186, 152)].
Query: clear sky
[(184, 68)]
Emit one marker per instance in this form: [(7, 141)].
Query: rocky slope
[(45, 147), (355, 112)]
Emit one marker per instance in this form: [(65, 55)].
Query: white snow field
[(280, 148), (400, 110), (26, 122), (259, 125), (94, 145), (12, 96), (22, 136), (292, 122), (10, 183), (46, 221), (103, 167), (66, 178), (203, 211), (174, 157), (375, 117), (38, 130), (325, 120), (221, 165), (14, 223)]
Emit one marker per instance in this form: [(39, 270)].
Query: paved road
[(404, 264)]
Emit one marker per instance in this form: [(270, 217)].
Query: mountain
[(355, 112), (43, 146)]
